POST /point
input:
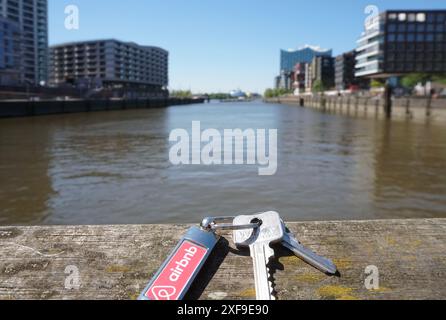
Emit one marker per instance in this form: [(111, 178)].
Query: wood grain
[(116, 262)]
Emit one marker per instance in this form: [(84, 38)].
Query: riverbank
[(416, 109), (116, 262), (9, 109)]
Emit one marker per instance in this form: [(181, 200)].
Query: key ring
[(225, 223)]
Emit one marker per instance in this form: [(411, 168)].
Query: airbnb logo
[(163, 293), (174, 277), (183, 263)]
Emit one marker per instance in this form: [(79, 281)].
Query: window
[(421, 17), (410, 37), (401, 38), (411, 17), (390, 66), (402, 27), (430, 27), (430, 37), (430, 17), (402, 17), (420, 37), (411, 46), (392, 16), (392, 27), (391, 37), (411, 27), (421, 28), (391, 46)]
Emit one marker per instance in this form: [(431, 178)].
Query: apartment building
[(10, 53), (109, 64), (31, 19)]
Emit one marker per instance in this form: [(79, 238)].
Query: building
[(277, 82), (345, 78), (299, 77), (322, 71), (285, 80), (31, 17), (111, 65), (308, 77), (10, 53), (402, 41), (289, 58)]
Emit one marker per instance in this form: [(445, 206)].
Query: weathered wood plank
[(116, 262)]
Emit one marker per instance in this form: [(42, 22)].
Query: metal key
[(270, 231), (323, 264)]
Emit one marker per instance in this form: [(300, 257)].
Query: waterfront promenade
[(416, 109), (116, 262)]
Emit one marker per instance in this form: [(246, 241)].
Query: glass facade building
[(10, 57), (289, 59), (32, 18), (400, 42)]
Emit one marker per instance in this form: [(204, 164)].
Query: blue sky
[(219, 45)]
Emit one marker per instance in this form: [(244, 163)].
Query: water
[(113, 167)]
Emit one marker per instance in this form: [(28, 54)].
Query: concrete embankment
[(417, 109), (116, 262), (48, 107)]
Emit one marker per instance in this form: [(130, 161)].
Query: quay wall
[(417, 109), (10, 109)]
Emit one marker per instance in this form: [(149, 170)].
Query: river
[(113, 167)]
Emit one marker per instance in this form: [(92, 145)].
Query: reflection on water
[(112, 167)]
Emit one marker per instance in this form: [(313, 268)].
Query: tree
[(318, 86), (377, 84), (272, 93), (411, 80), (181, 94), (440, 78)]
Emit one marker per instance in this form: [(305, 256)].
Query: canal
[(113, 168)]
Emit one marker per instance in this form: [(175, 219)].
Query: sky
[(221, 45)]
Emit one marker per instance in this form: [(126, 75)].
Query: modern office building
[(110, 64), (402, 41), (345, 73), (322, 70), (285, 80), (10, 53), (289, 58), (31, 17)]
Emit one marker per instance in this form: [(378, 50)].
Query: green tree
[(273, 93), (318, 86), (181, 94), (411, 80), (440, 78), (377, 84)]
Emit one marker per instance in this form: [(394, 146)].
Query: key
[(270, 231), (323, 264)]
